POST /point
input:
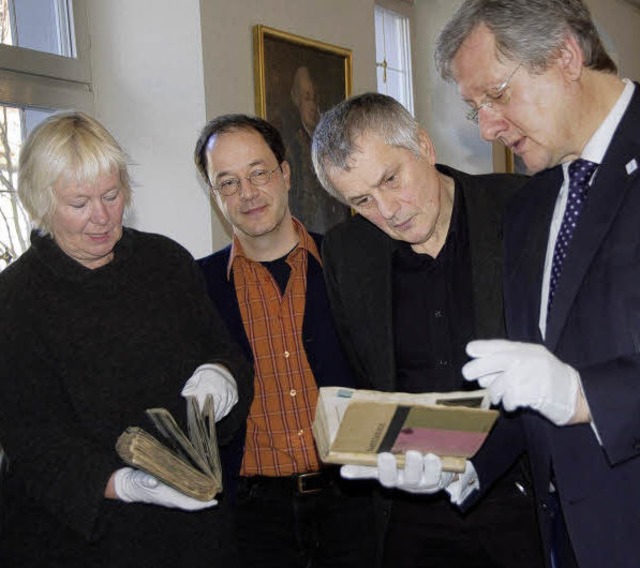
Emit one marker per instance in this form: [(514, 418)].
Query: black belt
[(297, 484)]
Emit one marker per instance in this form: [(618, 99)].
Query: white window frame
[(407, 71), (33, 79), (44, 80)]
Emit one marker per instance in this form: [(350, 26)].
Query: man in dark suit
[(412, 277), (537, 77)]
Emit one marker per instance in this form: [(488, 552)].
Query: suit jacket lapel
[(378, 298), (523, 276), (605, 198), (484, 220), (369, 300)]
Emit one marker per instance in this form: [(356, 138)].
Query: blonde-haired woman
[(97, 323)]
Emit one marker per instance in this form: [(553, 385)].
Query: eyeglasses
[(499, 97), (256, 178)]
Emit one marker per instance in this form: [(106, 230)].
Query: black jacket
[(83, 353)]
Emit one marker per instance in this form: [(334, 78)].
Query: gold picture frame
[(295, 80)]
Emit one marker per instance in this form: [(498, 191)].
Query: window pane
[(392, 37), (14, 223), (396, 87), (393, 40), (43, 25), (382, 80), (379, 27)]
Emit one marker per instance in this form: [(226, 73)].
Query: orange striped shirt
[(279, 440)]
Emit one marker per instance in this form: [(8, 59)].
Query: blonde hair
[(66, 147)]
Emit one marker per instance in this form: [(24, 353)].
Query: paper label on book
[(372, 427)]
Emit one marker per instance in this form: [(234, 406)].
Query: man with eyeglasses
[(412, 277), (268, 285), (570, 373)]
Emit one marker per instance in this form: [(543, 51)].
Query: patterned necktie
[(580, 172)]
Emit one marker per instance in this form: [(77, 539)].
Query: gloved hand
[(214, 380), (421, 473), (136, 486), (524, 375), (463, 485)]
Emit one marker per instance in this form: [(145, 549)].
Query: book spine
[(395, 426)]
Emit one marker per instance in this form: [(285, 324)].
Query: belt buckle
[(303, 478)]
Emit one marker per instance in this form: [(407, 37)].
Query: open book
[(352, 426), (190, 464)]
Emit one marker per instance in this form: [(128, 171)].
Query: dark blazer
[(358, 268), (595, 327), (322, 347)]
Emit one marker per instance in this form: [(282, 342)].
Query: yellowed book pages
[(188, 462)]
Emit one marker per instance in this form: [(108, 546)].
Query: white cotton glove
[(136, 486), (524, 375), (214, 380), (463, 485), (421, 473)]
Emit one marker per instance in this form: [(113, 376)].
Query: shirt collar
[(305, 242), (597, 145)]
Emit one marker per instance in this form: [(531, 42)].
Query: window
[(39, 24), (393, 56), (44, 67)]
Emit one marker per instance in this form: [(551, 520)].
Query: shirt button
[(286, 354), (293, 392), (300, 432), (443, 363), (437, 313)]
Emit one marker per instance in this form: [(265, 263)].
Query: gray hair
[(66, 147), (529, 31), (334, 140)]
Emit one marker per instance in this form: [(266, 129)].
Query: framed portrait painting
[(296, 80)]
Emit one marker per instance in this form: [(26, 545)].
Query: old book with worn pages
[(352, 426), (189, 463)]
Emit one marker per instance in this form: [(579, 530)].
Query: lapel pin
[(632, 166)]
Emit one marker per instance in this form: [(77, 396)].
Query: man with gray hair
[(537, 77), (412, 277)]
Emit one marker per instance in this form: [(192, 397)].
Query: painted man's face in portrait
[(303, 94)]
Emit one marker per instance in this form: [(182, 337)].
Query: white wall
[(146, 59), (618, 23), (156, 85)]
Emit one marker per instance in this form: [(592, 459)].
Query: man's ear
[(571, 58), (286, 173), (426, 146), (217, 198)]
